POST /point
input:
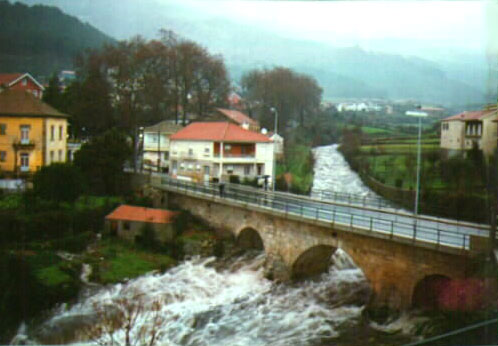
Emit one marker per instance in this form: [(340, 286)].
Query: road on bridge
[(387, 221)]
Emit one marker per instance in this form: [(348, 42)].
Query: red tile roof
[(24, 103), (469, 115), (141, 214), (7, 78), (217, 131), (239, 117)]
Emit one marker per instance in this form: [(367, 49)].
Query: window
[(25, 134), (24, 82), (206, 151), (247, 170), (3, 129), (228, 147), (126, 225), (166, 155), (229, 169), (174, 165), (61, 132), (3, 156), (190, 152), (198, 168), (51, 156), (190, 166), (60, 155), (52, 132), (24, 162), (206, 170), (35, 92)]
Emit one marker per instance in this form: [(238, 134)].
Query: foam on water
[(202, 306), (332, 173)]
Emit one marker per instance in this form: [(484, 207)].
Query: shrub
[(234, 179), (59, 182)]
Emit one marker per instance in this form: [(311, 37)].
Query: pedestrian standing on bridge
[(222, 189)]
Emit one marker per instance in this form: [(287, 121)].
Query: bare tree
[(131, 314)]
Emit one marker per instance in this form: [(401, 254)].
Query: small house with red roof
[(21, 81), (205, 151), (465, 130), (128, 222)]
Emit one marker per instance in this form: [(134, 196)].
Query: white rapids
[(201, 306), (332, 173)]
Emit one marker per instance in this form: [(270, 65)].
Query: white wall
[(452, 138), (150, 141)]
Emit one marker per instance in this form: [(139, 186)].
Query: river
[(230, 302)]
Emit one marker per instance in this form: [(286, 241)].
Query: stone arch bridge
[(297, 247)]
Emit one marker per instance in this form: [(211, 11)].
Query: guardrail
[(351, 198), (415, 230)]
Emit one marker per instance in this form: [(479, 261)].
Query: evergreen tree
[(52, 94)]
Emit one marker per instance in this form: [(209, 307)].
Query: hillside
[(42, 39), (391, 68)]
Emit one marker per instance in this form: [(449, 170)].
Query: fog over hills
[(453, 71)]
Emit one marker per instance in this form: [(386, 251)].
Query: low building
[(206, 151), (128, 222), (73, 146), (32, 133), (235, 117), (21, 81), (463, 131), (156, 145)]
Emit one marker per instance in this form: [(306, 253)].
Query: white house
[(279, 143), (156, 145), (462, 131), (205, 151)]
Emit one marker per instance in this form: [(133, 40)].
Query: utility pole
[(275, 129)]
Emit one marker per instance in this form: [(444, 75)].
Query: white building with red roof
[(205, 151), (21, 81), (471, 128)]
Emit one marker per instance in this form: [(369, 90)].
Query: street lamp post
[(275, 129), (419, 115), (158, 150)]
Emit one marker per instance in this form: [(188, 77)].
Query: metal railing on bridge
[(354, 218)]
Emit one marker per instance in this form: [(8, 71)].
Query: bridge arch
[(428, 290), (249, 238), (313, 261)]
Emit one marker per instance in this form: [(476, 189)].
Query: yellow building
[(32, 133)]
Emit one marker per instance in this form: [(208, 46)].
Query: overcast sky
[(458, 24), (394, 26)]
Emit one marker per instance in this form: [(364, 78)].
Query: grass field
[(394, 162), (117, 261)]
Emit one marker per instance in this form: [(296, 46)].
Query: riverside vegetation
[(43, 251)]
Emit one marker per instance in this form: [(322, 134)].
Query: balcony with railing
[(24, 144)]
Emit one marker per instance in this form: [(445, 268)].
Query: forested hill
[(42, 39)]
